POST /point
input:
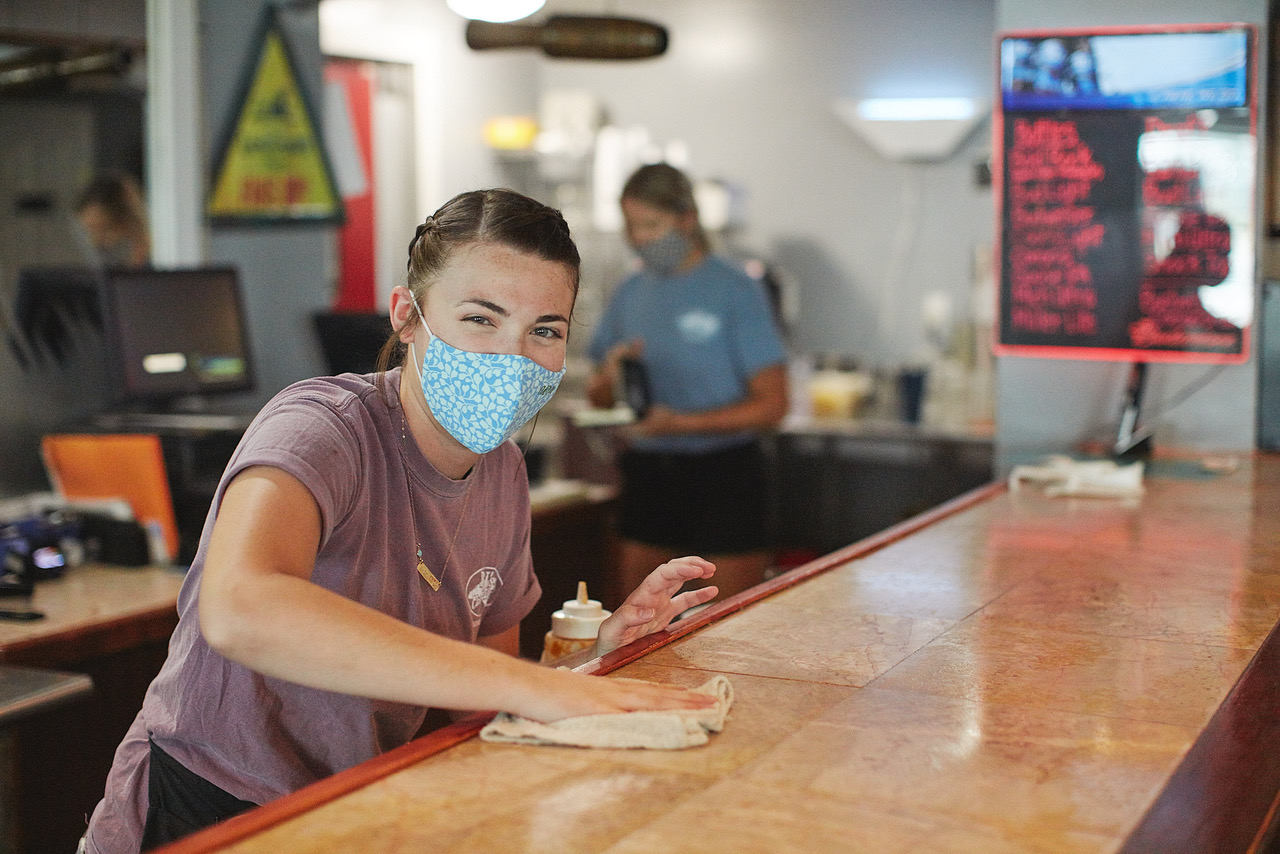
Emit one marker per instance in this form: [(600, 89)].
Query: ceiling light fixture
[(916, 109), (912, 129), (495, 11)]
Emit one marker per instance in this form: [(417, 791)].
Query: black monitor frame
[(181, 314)]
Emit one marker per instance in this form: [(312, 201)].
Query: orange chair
[(114, 465)]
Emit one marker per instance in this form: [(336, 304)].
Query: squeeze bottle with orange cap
[(574, 627)]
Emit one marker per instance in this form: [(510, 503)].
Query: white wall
[(1052, 405), (455, 90), (748, 85)]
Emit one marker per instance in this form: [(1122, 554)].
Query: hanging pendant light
[(496, 11), (574, 37)]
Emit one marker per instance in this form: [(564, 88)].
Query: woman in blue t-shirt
[(693, 471)]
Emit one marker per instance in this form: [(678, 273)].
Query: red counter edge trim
[(321, 792), (629, 653), (1223, 795)]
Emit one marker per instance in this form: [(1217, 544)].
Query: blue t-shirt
[(706, 333)]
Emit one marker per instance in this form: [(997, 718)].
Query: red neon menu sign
[(1126, 194)]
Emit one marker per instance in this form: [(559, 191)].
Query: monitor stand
[(1132, 443)]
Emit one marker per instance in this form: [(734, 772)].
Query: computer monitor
[(176, 337), (1126, 169), (351, 340)]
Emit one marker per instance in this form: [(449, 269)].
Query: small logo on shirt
[(481, 586), (698, 326)]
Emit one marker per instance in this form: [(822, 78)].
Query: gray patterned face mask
[(663, 256)]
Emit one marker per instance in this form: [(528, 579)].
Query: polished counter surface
[(26, 691), (1009, 673), (92, 610)]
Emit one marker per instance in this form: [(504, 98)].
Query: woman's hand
[(565, 694), (605, 380), (763, 408), (661, 420), (656, 602), (620, 352)]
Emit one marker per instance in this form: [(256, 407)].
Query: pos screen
[(176, 336)]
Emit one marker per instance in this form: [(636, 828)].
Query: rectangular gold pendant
[(426, 574)]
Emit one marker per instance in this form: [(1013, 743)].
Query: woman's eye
[(479, 319), (548, 332)]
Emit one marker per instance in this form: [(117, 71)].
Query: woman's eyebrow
[(502, 312), (484, 303)]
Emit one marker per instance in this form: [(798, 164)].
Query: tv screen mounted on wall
[(1126, 168)]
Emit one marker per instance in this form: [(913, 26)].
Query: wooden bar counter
[(109, 623), (1011, 672)]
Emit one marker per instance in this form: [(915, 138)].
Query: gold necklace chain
[(426, 573)]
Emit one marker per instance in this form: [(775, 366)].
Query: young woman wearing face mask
[(693, 473), (367, 554)]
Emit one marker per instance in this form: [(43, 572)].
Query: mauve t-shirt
[(259, 737)]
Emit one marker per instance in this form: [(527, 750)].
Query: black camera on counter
[(35, 549)]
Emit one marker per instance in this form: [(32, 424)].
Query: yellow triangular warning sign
[(273, 165)]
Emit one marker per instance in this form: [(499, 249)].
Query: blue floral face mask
[(482, 399)]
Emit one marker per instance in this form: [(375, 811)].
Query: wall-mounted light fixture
[(497, 11), (913, 129)]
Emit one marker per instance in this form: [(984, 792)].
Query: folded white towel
[(662, 730), (1062, 475)]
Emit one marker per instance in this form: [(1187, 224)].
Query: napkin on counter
[(1062, 475), (662, 730)]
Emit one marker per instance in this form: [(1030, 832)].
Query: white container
[(838, 394), (574, 627)]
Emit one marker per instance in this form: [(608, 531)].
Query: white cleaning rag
[(1062, 475), (661, 730)]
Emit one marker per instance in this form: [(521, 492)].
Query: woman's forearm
[(259, 607), (763, 408), (291, 629)]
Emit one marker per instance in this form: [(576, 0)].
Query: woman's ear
[(403, 313)]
